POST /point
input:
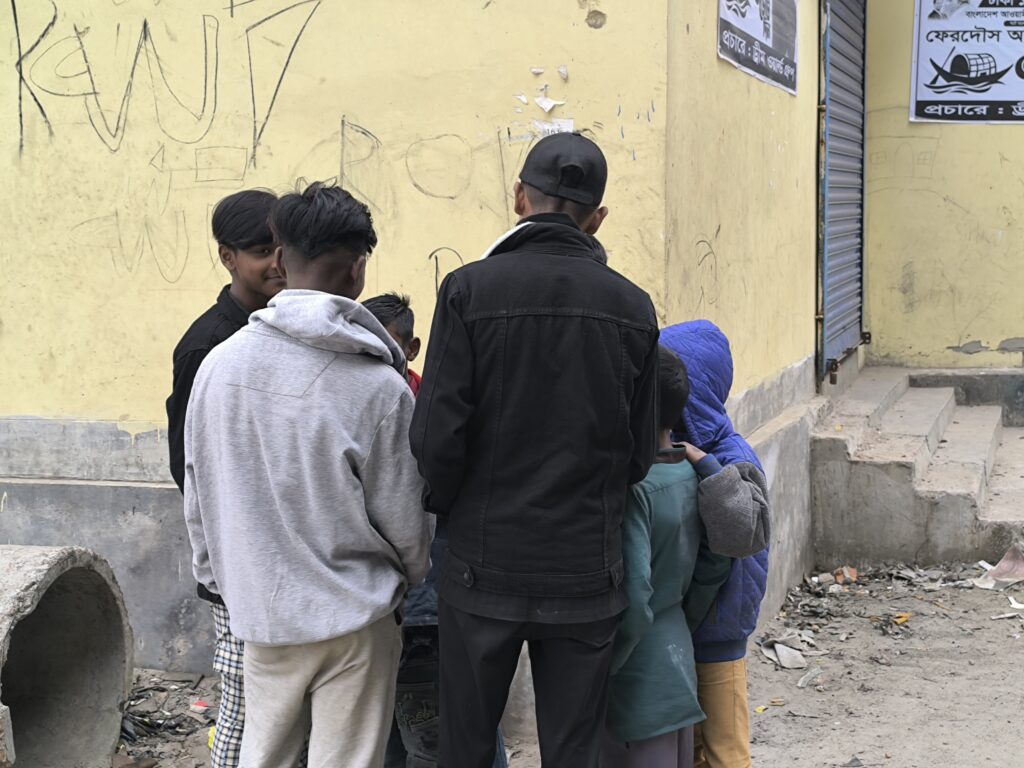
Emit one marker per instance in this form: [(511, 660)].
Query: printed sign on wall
[(760, 37), (968, 61)]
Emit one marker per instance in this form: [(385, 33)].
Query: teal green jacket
[(653, 685)]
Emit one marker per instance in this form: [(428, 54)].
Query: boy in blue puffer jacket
[(728, 466)]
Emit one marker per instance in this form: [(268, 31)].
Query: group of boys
[(542, 439)]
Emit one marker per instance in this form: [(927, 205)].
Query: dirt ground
[(906, 668), (941, 689)]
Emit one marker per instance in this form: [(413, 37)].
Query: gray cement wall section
[(139, 529), (784, 447)]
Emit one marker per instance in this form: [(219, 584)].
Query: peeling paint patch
[(597, 19), (1012, 345), (970, 348)]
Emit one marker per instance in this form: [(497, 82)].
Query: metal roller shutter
[(842, 184)]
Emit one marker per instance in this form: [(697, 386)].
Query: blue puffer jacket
[(705, 351)]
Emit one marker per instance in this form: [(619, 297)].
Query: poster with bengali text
[(760, 38), (968, 62)]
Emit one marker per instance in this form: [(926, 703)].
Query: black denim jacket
[(537, 411)]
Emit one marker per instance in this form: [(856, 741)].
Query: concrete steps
[(904, 473), (1005, 502)]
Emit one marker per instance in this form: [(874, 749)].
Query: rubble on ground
[(865, 651), (167, 721)]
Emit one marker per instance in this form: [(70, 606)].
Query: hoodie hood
[(329, 322), (704, 349)]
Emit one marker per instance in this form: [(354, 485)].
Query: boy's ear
[(358, 270), (596, 220), (227, 258), (279, 263), (521, 203), (414, 349)]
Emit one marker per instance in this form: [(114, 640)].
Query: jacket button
[(467, 577)]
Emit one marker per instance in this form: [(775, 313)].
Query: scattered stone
[(810, 677), (845, 575)]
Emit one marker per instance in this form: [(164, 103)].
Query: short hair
[(242, 220), (323, 218), (673, 388), (393, 310), (550, 204)]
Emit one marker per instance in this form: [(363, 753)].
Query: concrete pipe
[(65, 658)]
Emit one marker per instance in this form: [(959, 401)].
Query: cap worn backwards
[(569, 166)]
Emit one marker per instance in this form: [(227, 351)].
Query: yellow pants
[(723, 740)]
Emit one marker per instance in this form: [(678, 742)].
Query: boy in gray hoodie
[(302, 498)]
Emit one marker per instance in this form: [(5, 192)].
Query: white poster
[(968, 61), (760, 37)]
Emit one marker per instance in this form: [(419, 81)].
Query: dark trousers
[(414, 735), (570, 680)]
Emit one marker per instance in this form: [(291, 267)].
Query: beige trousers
[(723, 740), (341, 692)]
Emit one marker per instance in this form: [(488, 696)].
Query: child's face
[(254, 269), (410, 346)]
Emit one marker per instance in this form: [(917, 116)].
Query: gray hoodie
[(302, 499)]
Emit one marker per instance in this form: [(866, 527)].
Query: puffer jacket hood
[(704, 349), (330, 322)]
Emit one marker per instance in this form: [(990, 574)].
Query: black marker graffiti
[(22, 82), (436, 257), (261, 113)]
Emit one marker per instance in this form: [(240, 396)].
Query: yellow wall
[(106, 256), (944, 240), (741, 196)]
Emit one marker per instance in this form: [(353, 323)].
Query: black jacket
[(215, 325), (536, 412)]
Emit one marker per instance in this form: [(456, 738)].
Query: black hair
[(394, 310), (543, 203), (673, 389), (242, 220), (323, 218)]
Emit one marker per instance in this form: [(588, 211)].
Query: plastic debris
[(1009, 571), (782, 654), (893, 624), (199, 706)]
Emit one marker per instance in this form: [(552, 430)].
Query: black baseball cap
[(569, 166)]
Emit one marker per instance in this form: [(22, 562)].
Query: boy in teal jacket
[(652, 703)]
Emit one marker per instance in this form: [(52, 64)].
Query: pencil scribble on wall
[(65, 57), (441, 166)]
